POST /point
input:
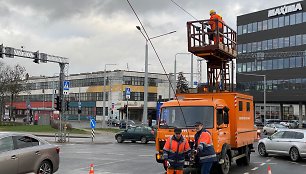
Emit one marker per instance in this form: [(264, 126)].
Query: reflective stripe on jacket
[(175, 150), (204, 145), (215, 19)]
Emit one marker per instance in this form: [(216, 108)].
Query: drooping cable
[(148, 38), (184, 10)]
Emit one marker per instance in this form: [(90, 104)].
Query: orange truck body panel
[(238, 133)]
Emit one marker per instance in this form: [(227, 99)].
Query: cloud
[(92, 33)]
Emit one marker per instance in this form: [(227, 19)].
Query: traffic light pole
[(61, 90), (127, 113)]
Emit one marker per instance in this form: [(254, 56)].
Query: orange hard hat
[(212, 11)]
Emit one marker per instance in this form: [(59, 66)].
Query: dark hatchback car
[(122, 124), (144, 134), (113, 122)]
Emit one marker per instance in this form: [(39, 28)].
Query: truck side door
[(222, 126)]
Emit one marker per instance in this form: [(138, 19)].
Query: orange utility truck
[(227, 115)]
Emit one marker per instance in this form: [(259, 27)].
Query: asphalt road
[(110, 157)]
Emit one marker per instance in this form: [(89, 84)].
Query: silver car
[(25, 153), (272, 128), (291, 142)]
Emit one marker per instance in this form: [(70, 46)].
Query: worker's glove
[(168, 164)]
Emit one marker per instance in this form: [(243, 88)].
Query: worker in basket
[(215, 22)]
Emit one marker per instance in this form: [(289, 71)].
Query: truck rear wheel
[(244, 161)]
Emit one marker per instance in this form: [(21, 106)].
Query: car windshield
[(173, 117)]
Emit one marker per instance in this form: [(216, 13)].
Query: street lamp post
[(145, 100), (104, 93), (264, 76), (191, 70)]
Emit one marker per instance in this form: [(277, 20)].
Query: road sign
[(127, 93), (66, 85), (195, 83), (92, 123)]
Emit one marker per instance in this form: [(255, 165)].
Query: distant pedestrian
[(36, 117)]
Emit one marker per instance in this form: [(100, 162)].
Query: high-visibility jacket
[(214, 20), (204, 145), (175, 150)]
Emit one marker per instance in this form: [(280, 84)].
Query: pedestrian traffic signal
[(36, 57), (58, 103)]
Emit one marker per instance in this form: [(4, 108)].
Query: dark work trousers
[(205, 167)]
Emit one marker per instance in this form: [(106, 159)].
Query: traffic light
[(125, 109), (36, 57), (58, 103), (79, 111), (67, 105)]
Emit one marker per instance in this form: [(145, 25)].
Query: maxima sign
[(285, 9)]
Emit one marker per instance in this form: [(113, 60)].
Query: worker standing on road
[(215, 22), (175, 149), (203, 146)]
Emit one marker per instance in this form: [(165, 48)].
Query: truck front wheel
[(225, 165)]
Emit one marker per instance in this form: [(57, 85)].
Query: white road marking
[(268, 160), (262, 164), (146, 155), (246, 173), (255, 168), (294, 162)]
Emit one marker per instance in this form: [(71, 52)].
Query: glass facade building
[(278, 29)]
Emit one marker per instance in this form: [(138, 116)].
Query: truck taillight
[(57, 150)]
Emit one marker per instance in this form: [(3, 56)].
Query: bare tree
[(11, 83), (182, 84)]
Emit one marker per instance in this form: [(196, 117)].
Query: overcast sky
[(92, 33)]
